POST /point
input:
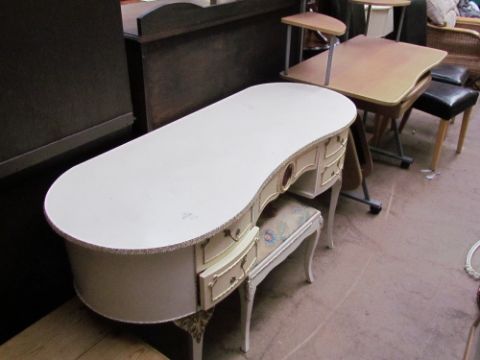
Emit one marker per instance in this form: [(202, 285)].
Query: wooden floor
[(73, 332)]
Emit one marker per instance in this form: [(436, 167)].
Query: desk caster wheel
[(375, 209), (405, 164)]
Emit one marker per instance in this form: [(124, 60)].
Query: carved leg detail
[(195, 326), (247, 295), (331, 211)]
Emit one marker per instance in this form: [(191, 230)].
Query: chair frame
[(309, 231)]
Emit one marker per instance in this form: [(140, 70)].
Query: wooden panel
[(306, 161), (269, 192), (65, 72), (164, 65)]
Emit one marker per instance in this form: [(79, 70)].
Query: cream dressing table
[(163, 228)]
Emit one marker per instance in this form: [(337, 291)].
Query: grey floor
[(394, 285)]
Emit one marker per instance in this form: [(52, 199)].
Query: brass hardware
[(242, 264), (287, 176), (212, 283), (228, 233), (204, 244)]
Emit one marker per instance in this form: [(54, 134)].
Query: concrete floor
[(394, 286)]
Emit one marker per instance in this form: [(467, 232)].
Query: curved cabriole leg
[(331, 211), (247, 295), (310, 251), (195, 326)]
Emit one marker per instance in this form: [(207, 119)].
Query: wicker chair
[(462, 43)]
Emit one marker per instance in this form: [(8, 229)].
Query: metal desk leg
[(406, 161), (375, 205), (369, 11), (287, 51), (400, 25)]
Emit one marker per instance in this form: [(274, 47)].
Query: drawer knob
[(204, 244), (228, 233), (232, 280)]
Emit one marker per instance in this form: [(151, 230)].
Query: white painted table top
[(187, 180)]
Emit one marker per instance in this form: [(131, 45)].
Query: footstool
[(284, 225), (446, 101)]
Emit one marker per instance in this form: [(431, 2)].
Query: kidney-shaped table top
[(187, 180)]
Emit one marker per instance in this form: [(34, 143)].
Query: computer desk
[(379, 75)]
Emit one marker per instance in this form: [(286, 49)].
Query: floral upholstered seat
[(279, 221)]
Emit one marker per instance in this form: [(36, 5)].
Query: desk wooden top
[(190, 179), (376, 70)]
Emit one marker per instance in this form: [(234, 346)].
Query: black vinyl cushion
[(445, 100), (452, 74)]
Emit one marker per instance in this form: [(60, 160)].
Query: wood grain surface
[(376, 70), (317, 22)]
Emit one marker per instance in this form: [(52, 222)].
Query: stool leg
[(442, 130), (247, 294), (463, 130), (310, 251), (335, 192), (405, 118)]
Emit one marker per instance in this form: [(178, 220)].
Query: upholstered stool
[(445, 101), (450, 74), (284, 225)]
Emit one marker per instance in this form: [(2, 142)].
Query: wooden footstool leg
[(331, 211), (247, 295), (310, 251), (463, 130), (442, 130), (405, 118)]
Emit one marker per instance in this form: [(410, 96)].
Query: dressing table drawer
[(214, 248), (335, 144), (332, 169), (287, 176), (269, 193), (226, 275), (306, 161)]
